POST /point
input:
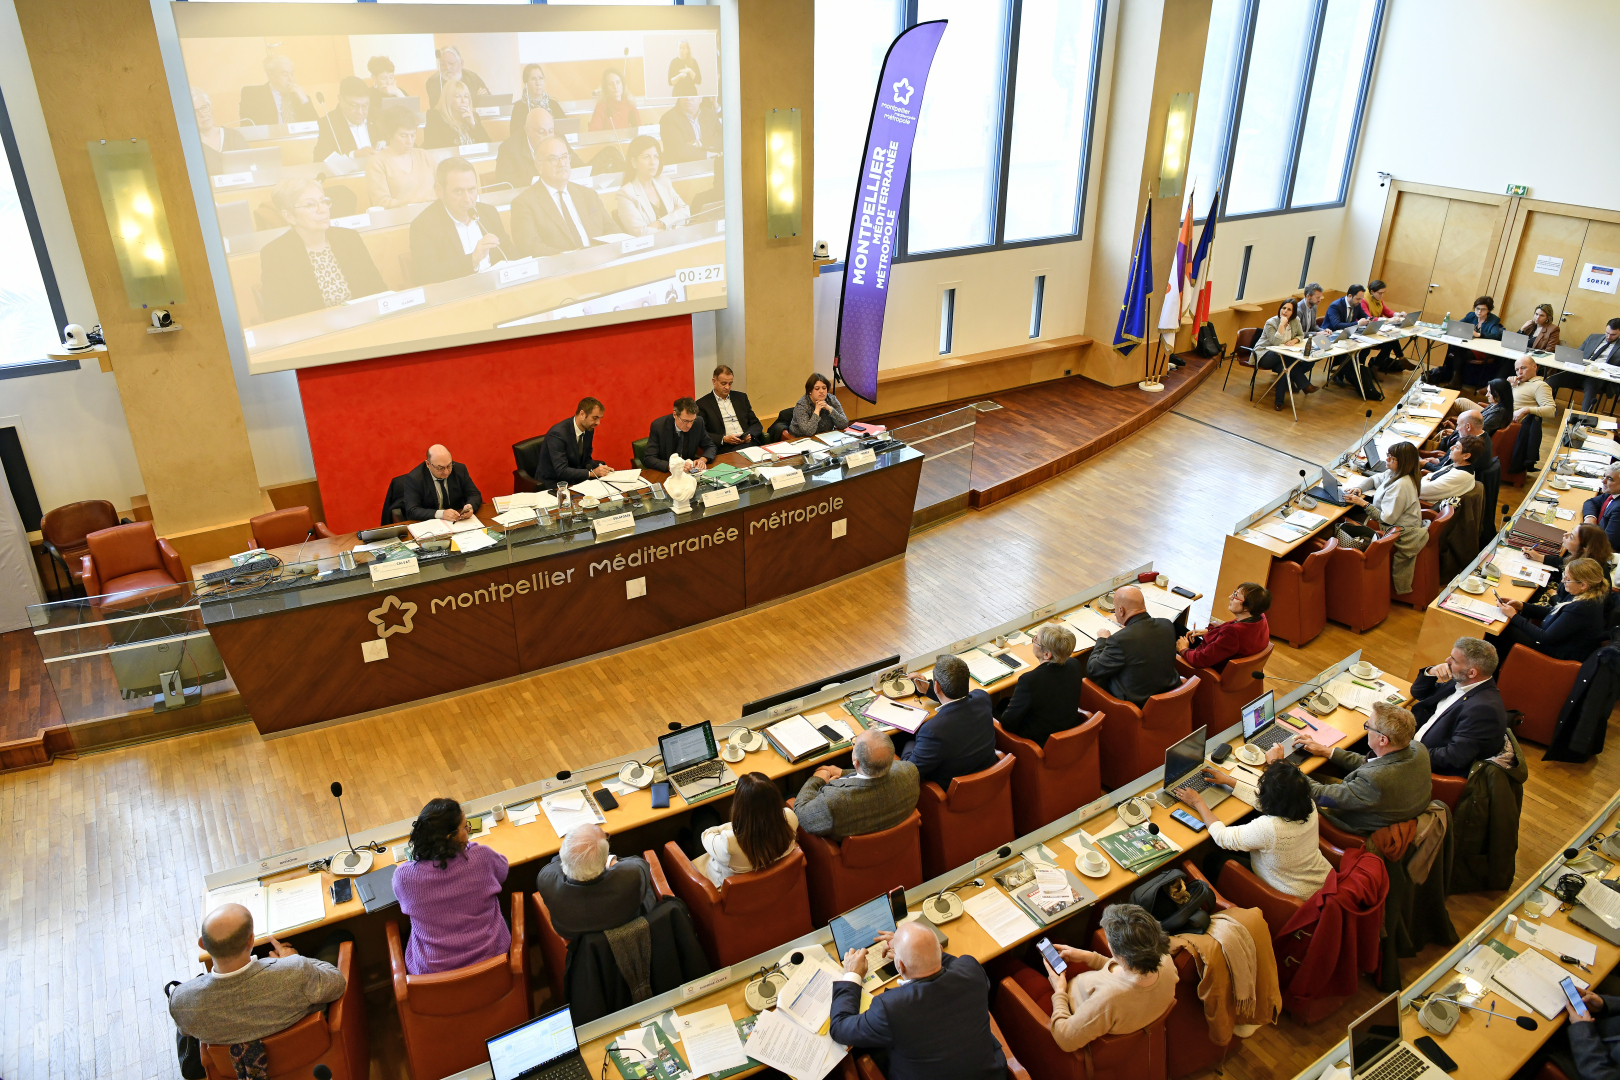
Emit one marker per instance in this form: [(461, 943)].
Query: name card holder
[(522, 270), (614, 523), (410, 298), (787, 480), (712, 499), (859, 458), (394, 568)]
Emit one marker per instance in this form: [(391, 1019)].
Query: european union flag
[(1133, 312)]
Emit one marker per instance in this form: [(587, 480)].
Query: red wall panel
[(372, 420)]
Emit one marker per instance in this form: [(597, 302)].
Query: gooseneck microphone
[(321, 1072), (1526, 1022), (945, 905), (356, 860)]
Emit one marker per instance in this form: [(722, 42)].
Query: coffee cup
[(732, 752), (1363, 669), (1093, 862), (1474, 584), (1162, 581)]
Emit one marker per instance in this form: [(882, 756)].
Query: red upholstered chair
[(286, 528), (336, 1037), (1134, 740), (1448, 789), (750, 913), (1243, 353), (844, 874), (63, 531), (1536, 685), (1549, 1071), (128, 558), (972, 816), (1298, 590), (1222, 694), (1426, 571), (1502, 447), (1358, 584), (447, 1016), (1050, 781), (1335, 837), (1023, 1008)]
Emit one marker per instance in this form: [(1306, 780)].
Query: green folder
[(725, 474)]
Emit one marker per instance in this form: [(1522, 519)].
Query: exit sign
[(1521, 190)]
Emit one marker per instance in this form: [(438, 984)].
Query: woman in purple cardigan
[(451, 890)]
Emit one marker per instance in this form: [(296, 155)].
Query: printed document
[(711, 1042), (780, 1043), (1002, 919), (295, 903)]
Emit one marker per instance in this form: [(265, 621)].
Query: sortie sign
[(874, 227)]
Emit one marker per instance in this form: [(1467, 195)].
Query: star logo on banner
[(903, 91), (393, 617)]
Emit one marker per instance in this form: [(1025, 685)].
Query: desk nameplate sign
[(488, 110), (712, 499), (234, 179), (712, 981), (636, 243), (394, 568), (859, 458), (354, 221), (304, 127), (787, 480), (401, 300), (523, 270), (614, 523)]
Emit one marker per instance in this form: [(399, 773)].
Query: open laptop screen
[(1184, 756), (1375, 1033), (1258, 713), (859, 927), (687, 747), (533, 1046)]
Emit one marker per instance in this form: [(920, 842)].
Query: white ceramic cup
[(1363, 669), (1094, 862)]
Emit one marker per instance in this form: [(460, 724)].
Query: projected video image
[(441, 180)]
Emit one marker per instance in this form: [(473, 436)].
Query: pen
[(1577, 963)]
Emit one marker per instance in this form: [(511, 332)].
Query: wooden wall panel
[(1539, 233), (1414, 239), (1462, 265), (1589, 310)]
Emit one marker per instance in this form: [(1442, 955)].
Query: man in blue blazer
[(1459, 710), (960, 737), (1603, 509), (934, 1024)]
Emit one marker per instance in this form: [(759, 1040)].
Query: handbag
[(186, 1047), (1351, 535), (1179, 903), (1208, 344)]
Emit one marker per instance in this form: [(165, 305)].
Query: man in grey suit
[(555, 215), (1388, 785), (879, 794)]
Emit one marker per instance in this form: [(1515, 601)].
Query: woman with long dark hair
[(760, 831), (1281, 841), (451, 889), (1394, 505)]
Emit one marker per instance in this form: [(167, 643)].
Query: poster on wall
[(1598, 278), (1549, 264), (874, 228)]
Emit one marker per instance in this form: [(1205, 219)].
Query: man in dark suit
[(935, 1025), (514, 161), (681, 432), (588, 890), (728, 415), (451, 70), (458, 235), (555, 215), (1138, 660), (960, 737), (1047, 698), (1459, 710), (685, 133), (565, 456), (1603, 509), (1469, 422), (347, 128), (440, 488), (1601, 348), (279, 99)]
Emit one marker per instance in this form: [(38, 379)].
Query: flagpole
[(1149, 383)]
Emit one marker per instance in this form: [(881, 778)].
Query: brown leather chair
[(527, 456), (1502, 447), (974, 815), (1298, 590), (844, 874), (286, 528), (1358, 584), (336, 1037), (1426, 581), (1050, 781), (446, 1017), (866, 1069), (1023, 1008), (1134, 740), (553, 950), (1536, 685), (1222, 694), (750, 913), (63, 531), (128, 558)]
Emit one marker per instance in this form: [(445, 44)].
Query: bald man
[(557, 215), (934, 1024), (244, 998), (514, 162), (1139, 659), (1469, 422), (440, 487), (879, 793)]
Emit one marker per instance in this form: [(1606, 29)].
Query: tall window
[(852, 37), (1281, 99), (30, 308)]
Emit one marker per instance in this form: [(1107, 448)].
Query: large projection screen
[(389, 178)]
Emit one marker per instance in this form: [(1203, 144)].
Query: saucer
[(1080, 865), (732, 753), (1249, 755), (1558, 484), (1374, 673), (1473, 592)]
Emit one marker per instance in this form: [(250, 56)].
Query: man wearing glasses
[(555, 215), (441, 488), (1388, 784)]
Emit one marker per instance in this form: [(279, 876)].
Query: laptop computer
[(1568, 354), (264, 163), (1375, 459), (1260, 727), (1183, 765), (858, 928), (546, 1047), (1515, 344), (1456, 328), (692, 763), (1377, 1051)]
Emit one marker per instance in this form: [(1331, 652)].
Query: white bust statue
[(681, 484)]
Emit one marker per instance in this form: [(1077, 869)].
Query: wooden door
[(1437, 247), (1545, 235), (1417, 221), (1462, 265), (1585, 310)]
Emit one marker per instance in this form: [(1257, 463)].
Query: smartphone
[(1010, 660), (1574, 996), (1292, 721), (1181, 591), (897, 903), (1056, 961), (605, 799), (660, 795), (1194, 823), (343, 892)]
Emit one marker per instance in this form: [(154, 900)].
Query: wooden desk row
[(1349, 346)]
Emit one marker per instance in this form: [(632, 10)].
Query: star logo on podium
[(393, 617), (903, 91)]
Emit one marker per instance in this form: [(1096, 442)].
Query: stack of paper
[(431, 529), (807, 996), (985, 668), (906, 718), (543, 500), (755, 454), (1556, 942), (797, 737), (710, 1041), (516, 516), (1474, 609), (1602, 446), (1513, 564), (1534, 979), (803, 446), (593, 489), (780, 1043), (524, 813), (295, 903), (571, 807), (468, 542), (1284, 531), (1361, 696), (1603, 901), (470, 525), (1002, 919)]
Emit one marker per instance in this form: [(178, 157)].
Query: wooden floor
[(27, 702), (105, 854)]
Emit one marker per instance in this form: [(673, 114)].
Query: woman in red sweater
[(1245, 634)]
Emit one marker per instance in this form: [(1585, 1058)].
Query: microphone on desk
[(355, 861), (1364, 425), (945, 905), (321, 1072), (1526, 1022)]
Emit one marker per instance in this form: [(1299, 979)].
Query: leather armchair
[(1336, 838), (63, 530), (779, 427), (844, 874), (1134, 740), (1426, 570), (1239, 886), (1448, 789), (1050, 781), (1536, 685), (336, 1037), (1221, 695), (1023, 1008), (287, 528), (1298, 609), (446, 1017), (1502, 449), (750, 913), (1358, 584), (638, 448), (972, 816), (128, 558), (527, 456)]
